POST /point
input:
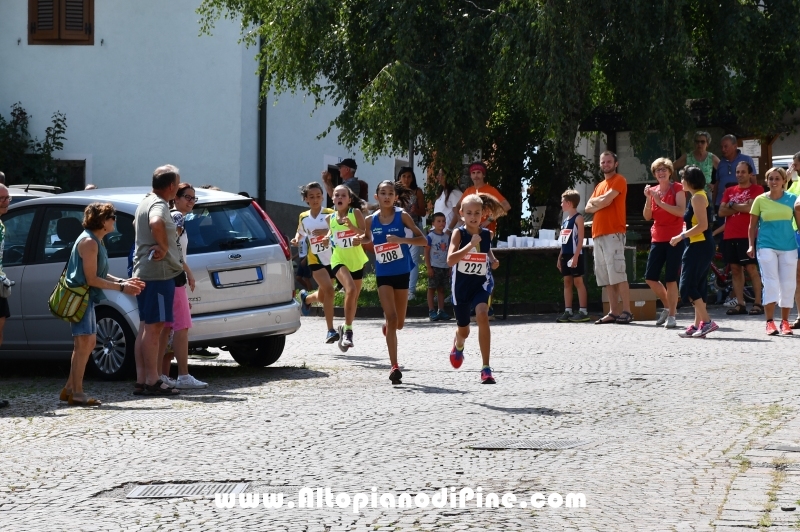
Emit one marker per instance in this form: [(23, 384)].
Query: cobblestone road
[(675, 432)]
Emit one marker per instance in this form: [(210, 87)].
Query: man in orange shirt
[(608, 231), (477, 172)]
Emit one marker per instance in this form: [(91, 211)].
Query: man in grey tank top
[(158, 261)]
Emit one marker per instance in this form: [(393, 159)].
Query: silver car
[(244, 295)]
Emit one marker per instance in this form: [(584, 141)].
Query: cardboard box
[(643, 302)]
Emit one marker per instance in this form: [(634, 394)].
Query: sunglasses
[(188, 197), (112, 217)]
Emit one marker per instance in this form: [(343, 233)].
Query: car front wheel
[(259, 352), (113, 355)]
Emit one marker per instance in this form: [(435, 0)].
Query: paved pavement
[(674, 433)]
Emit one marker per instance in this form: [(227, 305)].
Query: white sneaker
[(662, 319), (670, 324), (187, 382), (166, 380)]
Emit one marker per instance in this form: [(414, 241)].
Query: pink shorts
[(181, 314)]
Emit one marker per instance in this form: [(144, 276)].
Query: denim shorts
[(88, 325)]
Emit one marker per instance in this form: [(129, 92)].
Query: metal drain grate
[(160, 415), (539, 445), (208, 489)]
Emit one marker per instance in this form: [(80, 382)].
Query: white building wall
[(295, 156), (148, 92)]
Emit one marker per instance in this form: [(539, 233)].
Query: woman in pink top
[(665, 205)]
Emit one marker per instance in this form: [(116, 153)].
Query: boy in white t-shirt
[(436, 263)]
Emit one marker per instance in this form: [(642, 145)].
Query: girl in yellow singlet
[(348, 258)]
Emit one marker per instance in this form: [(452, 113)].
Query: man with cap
[(477, 172), (347, 171)]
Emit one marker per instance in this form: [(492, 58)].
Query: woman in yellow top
[(696, 260), (348, 258)]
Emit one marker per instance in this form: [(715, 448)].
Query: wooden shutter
[(76, 20), (43, 20)]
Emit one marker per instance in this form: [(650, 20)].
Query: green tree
[(26, 159), (447, 73)]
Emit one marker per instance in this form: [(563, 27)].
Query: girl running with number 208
[(389, 229), (470, 256)]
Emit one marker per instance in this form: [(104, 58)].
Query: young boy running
[(570, 258), (436, 263)]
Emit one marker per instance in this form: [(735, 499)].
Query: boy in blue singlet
[(570, 258)]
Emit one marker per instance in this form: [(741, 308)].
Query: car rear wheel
[(260, 352), (113, 355)]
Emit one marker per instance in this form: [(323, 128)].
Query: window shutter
[(42, 19), (76, 20)]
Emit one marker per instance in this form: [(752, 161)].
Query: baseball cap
[(350, 163), (478, 165)]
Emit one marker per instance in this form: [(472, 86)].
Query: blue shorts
[(155, 301), (466, 304), (88, 325)]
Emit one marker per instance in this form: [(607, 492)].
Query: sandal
[(738, 309), (64, 396), (89, 401), (608, 318), (157, 390), (625, 317), (756, 310), (138, 388)]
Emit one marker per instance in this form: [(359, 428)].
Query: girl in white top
[(448, 198), (313, 227), (181, 308)]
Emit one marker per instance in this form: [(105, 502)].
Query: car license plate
[(235, 277)]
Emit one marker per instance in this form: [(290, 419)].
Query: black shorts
[(5, 312), (398, 282), (661, 254), (356, 275), (304, 271), (577, 271), (317, 267), (734, 251)]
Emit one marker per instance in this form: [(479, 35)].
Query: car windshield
[(226, 226)]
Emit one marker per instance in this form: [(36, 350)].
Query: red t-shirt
[(666, 225), (737, 225)]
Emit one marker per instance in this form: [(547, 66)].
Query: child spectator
[(570, 258), (303, 275), (436, 263)]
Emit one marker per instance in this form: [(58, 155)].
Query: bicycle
[(720, 282)]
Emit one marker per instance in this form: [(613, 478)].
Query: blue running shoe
[(332, 337), (486, 376), (456, 356), (305, 309), (444, 316), (433, 315)]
